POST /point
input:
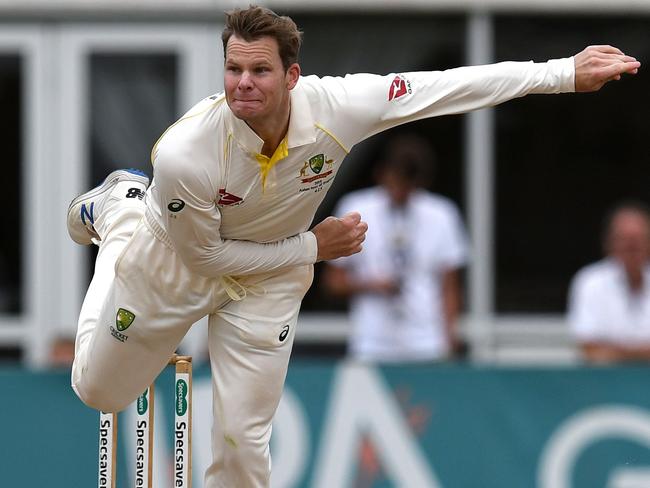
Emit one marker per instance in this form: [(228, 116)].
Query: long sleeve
[(192, 222), (362, 105)]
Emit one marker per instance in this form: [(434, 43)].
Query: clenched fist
[(340, 237)]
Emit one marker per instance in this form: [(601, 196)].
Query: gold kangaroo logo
[(303, 171)]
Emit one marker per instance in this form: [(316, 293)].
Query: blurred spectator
[(404, 286), (62, 352), (609, 302)]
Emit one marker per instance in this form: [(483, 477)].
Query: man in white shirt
[(609, 302), (224, 228), (404, 286)]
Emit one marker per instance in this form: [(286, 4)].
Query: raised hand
[(597, 65)]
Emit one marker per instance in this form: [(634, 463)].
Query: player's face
[(256, 83), (398, 188)]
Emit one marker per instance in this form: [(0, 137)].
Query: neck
[(634, 279), (272, 130)]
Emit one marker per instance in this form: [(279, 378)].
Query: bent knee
[(100, 399)]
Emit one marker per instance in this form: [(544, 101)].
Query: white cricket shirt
[(207, 199), (603, 308)]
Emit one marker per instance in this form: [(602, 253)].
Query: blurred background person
[(609, 301), (404, 287)]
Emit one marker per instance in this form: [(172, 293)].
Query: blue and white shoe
[(84, 210)]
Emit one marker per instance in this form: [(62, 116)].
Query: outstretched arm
[(361, 105)]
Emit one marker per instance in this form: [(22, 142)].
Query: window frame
[(197, 78), (22, 330)]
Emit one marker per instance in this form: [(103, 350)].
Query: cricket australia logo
[(316, 164), (123, 319)]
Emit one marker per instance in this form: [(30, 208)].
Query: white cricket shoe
[(84, 210)]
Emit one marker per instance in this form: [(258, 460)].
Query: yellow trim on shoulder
[(333, 137), (155, 146)]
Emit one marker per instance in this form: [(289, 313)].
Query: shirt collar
[(301, 124), (302, 128)]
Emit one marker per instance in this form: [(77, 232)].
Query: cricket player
[(223, 230)]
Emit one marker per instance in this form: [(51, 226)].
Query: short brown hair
[(255, 22), (410, 157)]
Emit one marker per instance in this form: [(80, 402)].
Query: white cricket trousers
[(141, 302)]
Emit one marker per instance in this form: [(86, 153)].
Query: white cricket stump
[(183, 423), (144, 428), (107, 450), (144, 439)]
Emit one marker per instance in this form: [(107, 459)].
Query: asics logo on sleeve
[(284, 333), (176, 205)]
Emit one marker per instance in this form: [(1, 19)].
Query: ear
[(292, 76)]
